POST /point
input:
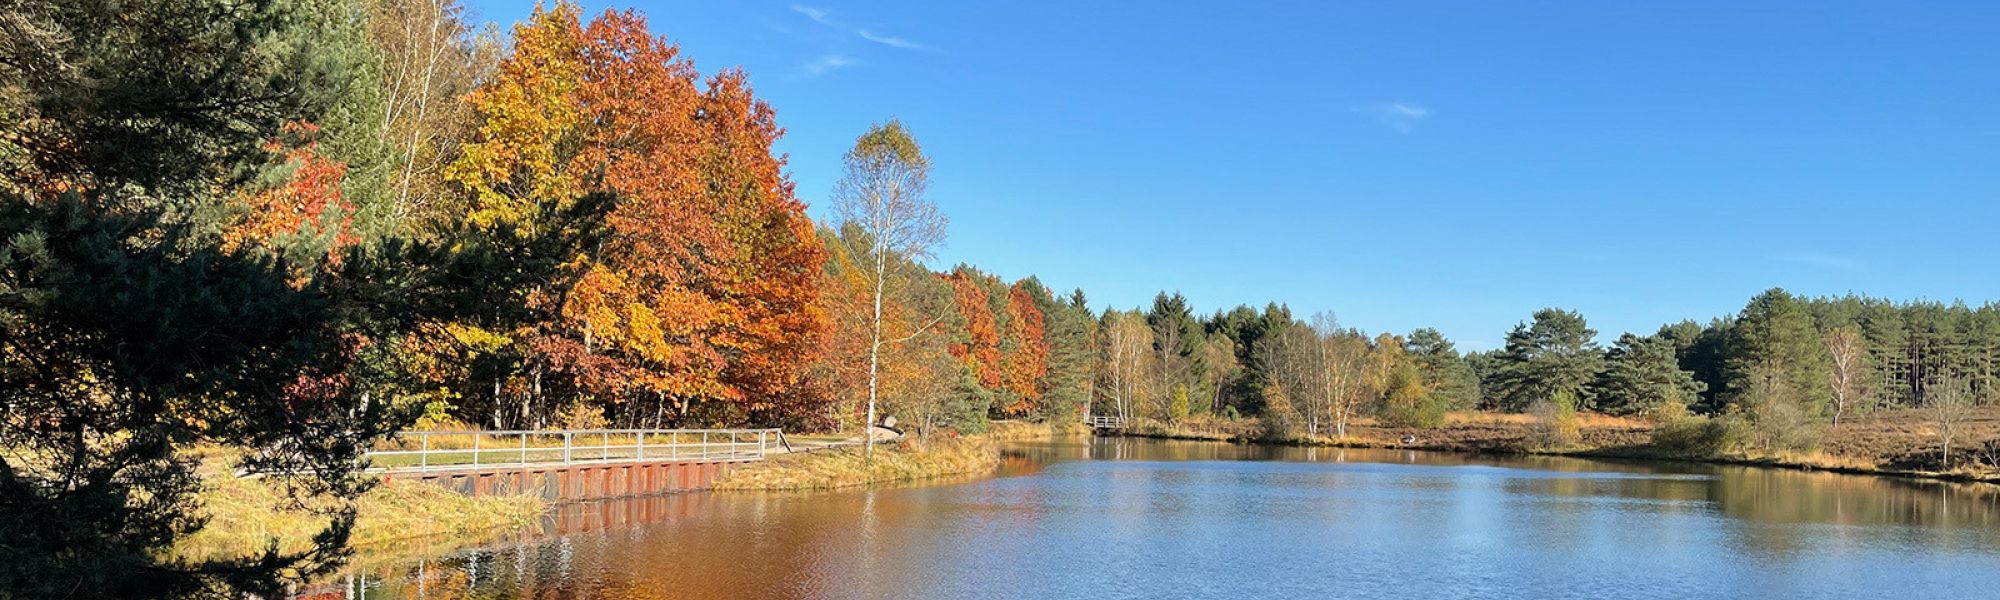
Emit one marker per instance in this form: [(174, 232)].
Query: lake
[(1132, 518)]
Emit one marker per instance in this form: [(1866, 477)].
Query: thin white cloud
[(830, 62), (825, 18), (890, 40), (818, 15), (1401, 116)]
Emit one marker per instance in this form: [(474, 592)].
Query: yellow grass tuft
[(246, 515)]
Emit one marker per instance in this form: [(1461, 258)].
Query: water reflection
[(1146, 518)]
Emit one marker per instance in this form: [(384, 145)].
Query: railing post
[(524, 448), (642, 445), (704, 444), (424, 451), (475, 448), (760, 445), (569, 442), (673, 444)]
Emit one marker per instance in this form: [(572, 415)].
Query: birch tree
[(882, 193), (1849, 356), (1223, 368), (1343, 358), (1128, 350), (1949, 406), (431, 59)]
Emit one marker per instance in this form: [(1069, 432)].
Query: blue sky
[(1409, 164)]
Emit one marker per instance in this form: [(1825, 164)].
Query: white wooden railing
[(1105, 422), (439, 450)]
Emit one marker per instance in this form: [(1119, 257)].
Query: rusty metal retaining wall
[(581, 481)]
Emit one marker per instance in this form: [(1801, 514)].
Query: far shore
[(1889, 443)]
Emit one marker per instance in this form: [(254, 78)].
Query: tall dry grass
[(850, 467), (247, 515)]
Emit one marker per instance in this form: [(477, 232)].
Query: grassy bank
[(849, 467), (1462, 432), (246, 515), (1025, 431), (1897, 443)]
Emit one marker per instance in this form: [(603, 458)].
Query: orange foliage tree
[(981, 349), (773, 275), (699, 304), (1024, 368), (301, 206)]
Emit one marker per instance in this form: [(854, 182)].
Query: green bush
[(1177, 404), (1409, 404)]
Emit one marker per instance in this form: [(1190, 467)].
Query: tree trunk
[(874, 351)]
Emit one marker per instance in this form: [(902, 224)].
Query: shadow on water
[(1082, 508)]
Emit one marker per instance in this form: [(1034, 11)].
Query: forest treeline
[(292, 227), (1783, 364)]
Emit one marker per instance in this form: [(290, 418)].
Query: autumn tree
[(1219, 355), (296, 209), (1323, 370), (1024, 368), (1292, 362), (1386, 353), (921, 382), (431, 58), (517, 174), (1126, 378), (1344, 357), (981, 349), (1407, 402), (770, 283), (840, 367), (882, 193), (699, 302)]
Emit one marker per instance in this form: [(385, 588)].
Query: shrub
[(1556, 423), (1410, 404), (1783, 425), (1280, 422), (1696, 436), (1177, 406), (579, 415)]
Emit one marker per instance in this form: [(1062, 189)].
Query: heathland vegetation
[(280, 231)]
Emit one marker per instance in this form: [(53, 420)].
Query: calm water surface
[(1123, 518)]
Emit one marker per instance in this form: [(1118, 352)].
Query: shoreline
[(398, 515), (1637, 453), (901, 461)]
